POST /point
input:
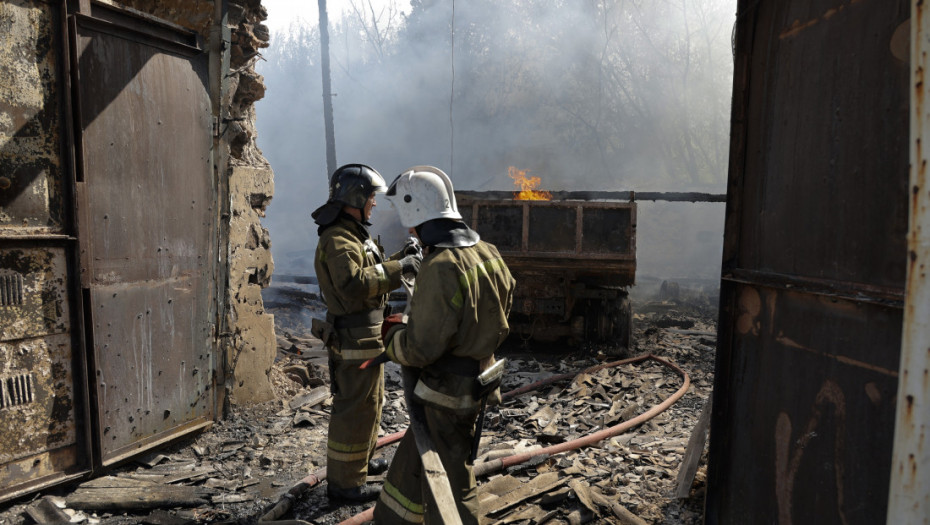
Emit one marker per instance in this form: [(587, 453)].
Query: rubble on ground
[(246, 464)]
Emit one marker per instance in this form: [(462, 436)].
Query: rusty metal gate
[(146, 222), (813, 278)]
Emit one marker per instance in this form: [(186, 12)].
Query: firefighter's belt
[(460, 366), (356, 320)]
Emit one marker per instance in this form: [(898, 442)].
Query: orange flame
[(527, 186)]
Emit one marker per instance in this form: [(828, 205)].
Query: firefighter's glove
[(412, 247), (391, 325), (410, 264)]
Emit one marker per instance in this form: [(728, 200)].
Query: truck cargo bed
[(573, 260)]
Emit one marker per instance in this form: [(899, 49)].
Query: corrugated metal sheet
[(146, 202), (814, 265)]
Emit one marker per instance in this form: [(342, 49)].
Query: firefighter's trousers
[(405, 496), (354, 422)]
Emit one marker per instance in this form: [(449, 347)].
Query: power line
[(452, 97)]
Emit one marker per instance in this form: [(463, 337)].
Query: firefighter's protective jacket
[(457, 319), (354, 280)]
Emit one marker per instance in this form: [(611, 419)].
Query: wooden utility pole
[(327, 91)]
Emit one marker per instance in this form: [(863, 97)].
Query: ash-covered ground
[(246, 464)]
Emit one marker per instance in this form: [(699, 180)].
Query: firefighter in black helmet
[(355, 279)]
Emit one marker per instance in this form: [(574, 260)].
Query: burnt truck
[(573, 256)]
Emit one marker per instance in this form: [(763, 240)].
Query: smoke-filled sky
[(284, 13), (585, 94)]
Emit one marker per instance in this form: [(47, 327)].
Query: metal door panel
[(810, 431), (814, 262), (826, 144), (145, 137)]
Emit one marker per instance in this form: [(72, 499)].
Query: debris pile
[(248, 463)]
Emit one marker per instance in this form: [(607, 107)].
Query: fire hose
[(489, 467), (287, 500)]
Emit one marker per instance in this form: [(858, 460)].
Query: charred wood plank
[(539, 485), (123, 494), (45, 511), (436, 478), (694, 451)]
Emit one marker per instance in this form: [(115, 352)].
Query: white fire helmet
[(422, 193)]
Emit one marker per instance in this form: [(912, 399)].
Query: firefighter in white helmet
[(354, 279), (457, 319)]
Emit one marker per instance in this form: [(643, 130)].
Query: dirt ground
[(246, 464)]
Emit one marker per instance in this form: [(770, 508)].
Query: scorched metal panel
[(146, 198), (31, 174), (43, 405), (813, 265), (41, 441)]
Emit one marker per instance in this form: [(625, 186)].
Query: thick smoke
[(585, 94)]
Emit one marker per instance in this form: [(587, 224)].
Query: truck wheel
[(621, 314), (611, 321)]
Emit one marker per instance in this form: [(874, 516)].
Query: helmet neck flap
[(447, 233)]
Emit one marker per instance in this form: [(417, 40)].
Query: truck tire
[(610, 321), (621, 313)]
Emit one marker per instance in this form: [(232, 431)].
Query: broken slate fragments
[(247, 461)]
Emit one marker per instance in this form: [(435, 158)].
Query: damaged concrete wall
[(250, 350)]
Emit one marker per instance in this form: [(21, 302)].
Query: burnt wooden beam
[(123, 494), (669, 196)]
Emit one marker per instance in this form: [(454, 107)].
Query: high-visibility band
[(359, 355), (395, 349), (486, 268), (347, 451), (379, 281), (429, 395), (401, 505), (391, 349)]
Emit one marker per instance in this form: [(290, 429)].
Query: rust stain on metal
[(750, 305), (798, 26), (781, 338), (788, 459)]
